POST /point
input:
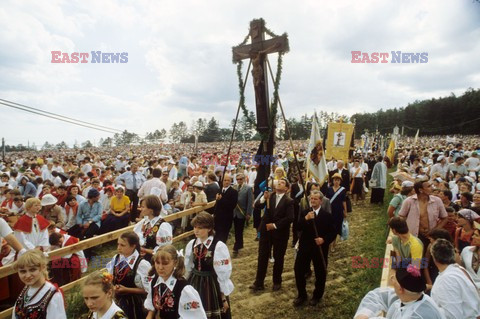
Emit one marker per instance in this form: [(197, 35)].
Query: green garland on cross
[(276, 85)]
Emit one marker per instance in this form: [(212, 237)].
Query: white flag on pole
[(416, 137), (316, 163)]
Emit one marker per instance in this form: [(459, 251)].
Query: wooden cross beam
[(257, 52)]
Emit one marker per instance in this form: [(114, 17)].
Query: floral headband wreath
[(107, 278)]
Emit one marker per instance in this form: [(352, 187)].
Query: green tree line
[(443, 116)]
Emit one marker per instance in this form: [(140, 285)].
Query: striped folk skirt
[(205, 282)]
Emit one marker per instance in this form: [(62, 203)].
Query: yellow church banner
[(339, 139)]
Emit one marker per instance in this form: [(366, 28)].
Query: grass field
[(345, 285)]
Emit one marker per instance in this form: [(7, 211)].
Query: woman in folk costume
[(169, 294), (32, 229), (152, 230), (129, 271), (98, 294), (209, 267), (39, 299), (338, 203)]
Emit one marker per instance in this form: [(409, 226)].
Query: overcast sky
[(179, 59)]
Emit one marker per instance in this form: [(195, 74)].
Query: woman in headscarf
[(464, 233)]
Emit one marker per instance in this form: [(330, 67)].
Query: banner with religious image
[(339, 139), (316, 164)]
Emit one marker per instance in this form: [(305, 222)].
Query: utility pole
[(3, 149)]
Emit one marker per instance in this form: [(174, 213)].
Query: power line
[(60, 119), (60, 116)]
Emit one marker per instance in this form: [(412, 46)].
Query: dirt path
[(268, 304)]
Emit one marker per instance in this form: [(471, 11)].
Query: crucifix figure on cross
[(257, 51)]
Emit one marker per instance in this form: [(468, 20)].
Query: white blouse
[(164, 234), (190, 305), (142, 269), (36, 238), (55, 308), (222, 263), (361, 171), (110, 312), (467, 258), (385, 300)]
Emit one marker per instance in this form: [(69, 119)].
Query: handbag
[(345, 230)]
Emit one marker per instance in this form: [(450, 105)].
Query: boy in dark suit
[(274, 232)]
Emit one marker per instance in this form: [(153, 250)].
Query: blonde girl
[(40, 299), (169, 294), (98, 295)]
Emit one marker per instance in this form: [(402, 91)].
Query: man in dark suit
[(242, 211), (274, 232), (309, 247), (226, 202)]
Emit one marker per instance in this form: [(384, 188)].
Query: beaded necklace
[(26, 298)]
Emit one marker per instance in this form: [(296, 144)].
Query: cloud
[(179, 59)]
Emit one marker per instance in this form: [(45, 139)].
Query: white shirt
[(4, 229), (385, 299), (472, 162), (331, 165), (164, 234), (467, 257), (455, 294), (47, 175), (278, 198), (127, 179), (148, 185), (222, 263), (360, 171), (57, 181), (251, 178), (86, 168), (55, 308), (439, 168), (188, 297), (58, 169), (173, 173), (110, 312)]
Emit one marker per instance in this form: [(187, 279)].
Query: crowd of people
[(433, 217), (50, 200)]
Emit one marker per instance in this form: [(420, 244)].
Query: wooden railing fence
[(98, 240)]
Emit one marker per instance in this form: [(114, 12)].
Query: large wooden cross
[(257, 51)]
